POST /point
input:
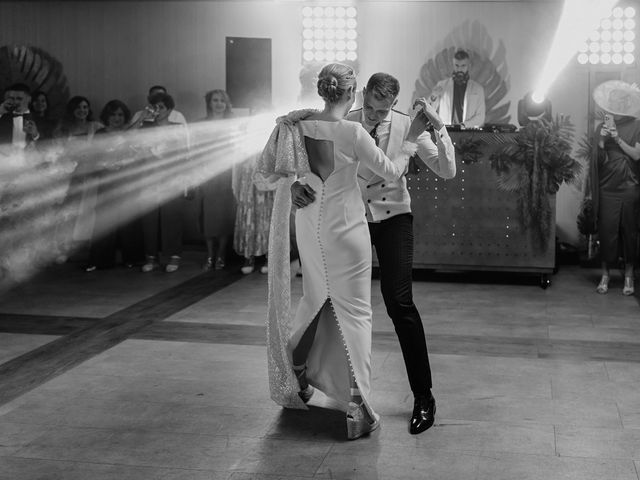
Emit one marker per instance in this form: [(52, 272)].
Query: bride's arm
[(373, 157)]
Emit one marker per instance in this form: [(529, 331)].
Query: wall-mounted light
[(612, 43), (329, 34)]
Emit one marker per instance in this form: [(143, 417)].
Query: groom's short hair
[(383, 85)]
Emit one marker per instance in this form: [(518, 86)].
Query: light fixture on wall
[(329, 34), (613, 42)]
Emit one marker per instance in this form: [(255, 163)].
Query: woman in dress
[(75, 134), (327, 345), (617, 171), (217, 205)]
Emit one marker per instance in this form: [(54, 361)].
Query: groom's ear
[(351, 91)]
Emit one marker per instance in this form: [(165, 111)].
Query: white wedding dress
[(335, 249)]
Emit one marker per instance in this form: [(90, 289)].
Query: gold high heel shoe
[(358, 423), (628, 286), (603, 286)]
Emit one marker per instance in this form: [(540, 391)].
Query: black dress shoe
[(424, 412)]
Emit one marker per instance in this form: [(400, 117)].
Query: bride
[(327, 344)]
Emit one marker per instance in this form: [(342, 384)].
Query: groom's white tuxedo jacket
[(384, 199)]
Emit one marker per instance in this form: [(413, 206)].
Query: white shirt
[(18, 138)]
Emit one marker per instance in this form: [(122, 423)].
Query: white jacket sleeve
[(439, 157)]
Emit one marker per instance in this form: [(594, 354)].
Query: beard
[(460, 77)]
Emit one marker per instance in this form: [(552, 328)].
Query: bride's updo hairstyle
[(333, 81)]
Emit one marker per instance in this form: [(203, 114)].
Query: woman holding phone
[(617, 171)]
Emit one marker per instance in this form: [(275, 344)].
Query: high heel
[(603, 286), (359, 423), (306, 390), (628, 286)]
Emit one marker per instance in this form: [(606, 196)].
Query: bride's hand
[(295, 116)]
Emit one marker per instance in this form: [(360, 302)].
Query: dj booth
[(468, 223)]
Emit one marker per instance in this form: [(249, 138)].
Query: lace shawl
[(284, 157)]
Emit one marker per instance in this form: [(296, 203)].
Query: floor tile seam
[(87, 462), (533, 423), (150, 432), (389, 335)]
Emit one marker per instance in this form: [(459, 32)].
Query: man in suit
[(460, 100), (388, 208), (18, 129)]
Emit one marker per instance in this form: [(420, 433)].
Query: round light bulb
[(616, 58), (629, 12), (605, 59), (583, 58), (628, 58)]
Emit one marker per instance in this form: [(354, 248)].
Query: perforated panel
[(466, 222)]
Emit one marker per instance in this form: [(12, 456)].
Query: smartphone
[(608, 121)]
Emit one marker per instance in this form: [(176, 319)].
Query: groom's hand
[(302, 195), (430, 112)]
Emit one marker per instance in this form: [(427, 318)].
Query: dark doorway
[(249, 72)]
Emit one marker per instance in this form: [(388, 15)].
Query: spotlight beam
[(578, 19)]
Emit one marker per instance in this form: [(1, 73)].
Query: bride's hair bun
[(333, 81)]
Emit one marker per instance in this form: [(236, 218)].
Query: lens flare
[(129, 174), (578, 19)]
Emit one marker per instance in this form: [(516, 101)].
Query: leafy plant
[(534, 166)]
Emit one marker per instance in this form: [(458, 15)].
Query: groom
[(388, 207)]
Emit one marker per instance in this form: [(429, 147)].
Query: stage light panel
[(329, 33), (615, 36)]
